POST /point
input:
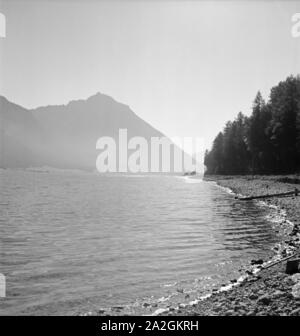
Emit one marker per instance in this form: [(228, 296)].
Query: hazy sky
[(185, 67)]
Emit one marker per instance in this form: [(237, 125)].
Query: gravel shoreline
[(270, 291), (260, 291)]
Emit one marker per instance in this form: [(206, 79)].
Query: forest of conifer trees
[(267, 142)]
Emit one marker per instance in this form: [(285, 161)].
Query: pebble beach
[(266, 288)]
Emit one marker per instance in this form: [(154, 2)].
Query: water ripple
[(72, 242)]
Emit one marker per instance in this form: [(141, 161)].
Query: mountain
[(19, 136), (64, 136)]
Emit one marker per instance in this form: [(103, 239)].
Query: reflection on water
[(77, 242)]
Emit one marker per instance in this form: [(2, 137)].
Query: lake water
[(78, 242)]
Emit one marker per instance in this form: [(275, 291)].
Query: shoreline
[(261, 291), (249, 293)]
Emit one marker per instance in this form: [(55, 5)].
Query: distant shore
[(267, 291)]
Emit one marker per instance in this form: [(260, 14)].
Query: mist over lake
[(73, 242)]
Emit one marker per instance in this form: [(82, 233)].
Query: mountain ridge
[(64, 136)]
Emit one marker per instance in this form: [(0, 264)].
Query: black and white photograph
[(149, 160)]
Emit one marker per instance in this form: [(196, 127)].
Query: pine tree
[(266, 142), (255, 131), (284, 100)]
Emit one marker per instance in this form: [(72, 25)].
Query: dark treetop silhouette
[(267, 142)]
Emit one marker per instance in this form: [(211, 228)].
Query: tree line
[(267, 142)]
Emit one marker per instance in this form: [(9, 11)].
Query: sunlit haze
[(184, 67)]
